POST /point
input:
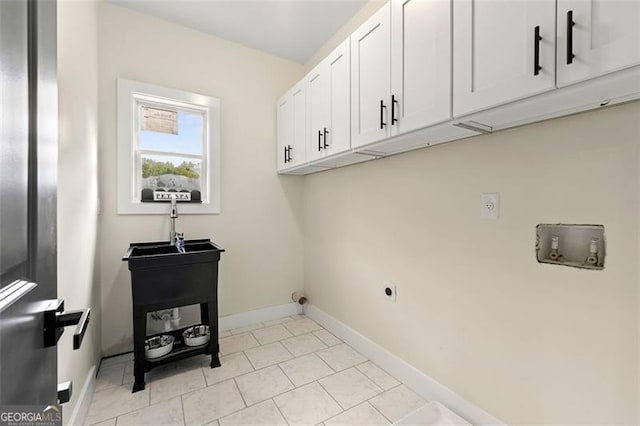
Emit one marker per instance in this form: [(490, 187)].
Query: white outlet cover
[(490, 205), (383, 288)]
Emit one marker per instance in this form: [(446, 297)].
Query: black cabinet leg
[(138, 385), (210, 309), (139, 335), (215, 361)]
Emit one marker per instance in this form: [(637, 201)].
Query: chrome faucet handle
[(179, 242)]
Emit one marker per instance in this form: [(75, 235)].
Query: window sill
[(163, 208)]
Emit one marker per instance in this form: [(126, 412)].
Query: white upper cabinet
[(329, 104), (339, 70), (297, 153), (285, 130), (423, 72), (502, 51), (318, 111), (596, 37), (371, 79), (292, 131), (421, 63)]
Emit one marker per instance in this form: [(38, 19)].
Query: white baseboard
[(79, 413), (244, 319), (415, 379)]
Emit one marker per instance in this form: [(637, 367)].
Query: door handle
[(570, 25), (382, 108), (536, 50), (326, 132), (394, 102), (56, 319), (286, 153), (319, 137)]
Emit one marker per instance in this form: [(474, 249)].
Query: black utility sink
[(154, 254), (164, 278)]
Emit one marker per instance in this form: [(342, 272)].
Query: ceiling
[(292, 29)]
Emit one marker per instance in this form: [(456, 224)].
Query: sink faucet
[(173, 215)]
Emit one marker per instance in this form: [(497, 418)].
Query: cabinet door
[(604, 37), (317, 111), (421, 63), (297, 153), (494, 51), (371, 79), (285, 130), (338, 138)]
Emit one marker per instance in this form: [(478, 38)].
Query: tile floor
[(286, 371)]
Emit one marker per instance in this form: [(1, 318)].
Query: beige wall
[(77, 186), (529, 343), (259, 225)]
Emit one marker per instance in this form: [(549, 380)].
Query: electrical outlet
[(490, 206), (388, 291)]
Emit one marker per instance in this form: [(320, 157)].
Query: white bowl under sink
[(158, 346)]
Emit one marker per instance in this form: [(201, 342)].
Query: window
[(168, 144)]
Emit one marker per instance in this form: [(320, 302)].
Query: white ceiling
[(292, 29)]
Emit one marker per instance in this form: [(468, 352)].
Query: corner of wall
[(78, 249)]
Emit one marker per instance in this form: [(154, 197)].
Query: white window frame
[(130, 94)]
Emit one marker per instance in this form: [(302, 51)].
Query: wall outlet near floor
[(388, 291), (490, 206)]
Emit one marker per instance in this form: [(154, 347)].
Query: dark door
[(28, 159)]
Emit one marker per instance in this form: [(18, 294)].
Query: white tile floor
[(286, 371)]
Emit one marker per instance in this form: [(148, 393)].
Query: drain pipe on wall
[(170, 318), (175, 318), (299, 298)]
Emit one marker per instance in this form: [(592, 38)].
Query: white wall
[(77, 186), (259, 225), (528, 342)]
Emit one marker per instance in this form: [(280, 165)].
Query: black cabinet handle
[(319, 142), (326, 132), (394, 102), (536, 50), (570, 25), (286, 152), (382, 108)]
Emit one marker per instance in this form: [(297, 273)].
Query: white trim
[(415, 379), (79, 413), (128, 93), (269, 313)]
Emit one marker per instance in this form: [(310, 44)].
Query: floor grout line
[(334, 400), (280, 411), (244, 401), (379, 412), (184, 418)]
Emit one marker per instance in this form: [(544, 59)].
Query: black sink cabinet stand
[(162, 278)]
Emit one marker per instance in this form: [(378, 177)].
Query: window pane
[(171, 173), (188, 140)]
